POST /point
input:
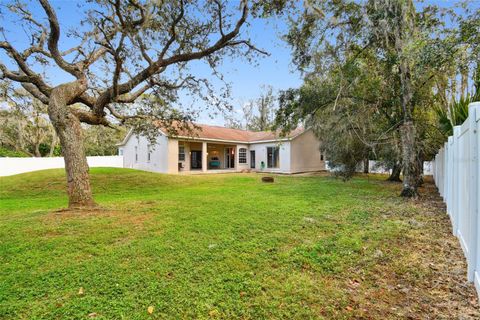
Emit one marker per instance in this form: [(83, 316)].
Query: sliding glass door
[(229, 158)]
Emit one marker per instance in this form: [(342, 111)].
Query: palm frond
[(444, 123), (459, 110)]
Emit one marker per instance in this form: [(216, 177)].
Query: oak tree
[(123, 50)]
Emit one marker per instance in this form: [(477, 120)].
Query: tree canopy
[(374, 71)]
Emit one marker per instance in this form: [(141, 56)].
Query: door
[(196, 160), (229, 158), (252, 159)]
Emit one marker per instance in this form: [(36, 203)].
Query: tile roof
[(203, 131)]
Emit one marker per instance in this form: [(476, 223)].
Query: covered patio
[(206, 157)]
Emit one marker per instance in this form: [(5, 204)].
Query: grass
[(217, 246)]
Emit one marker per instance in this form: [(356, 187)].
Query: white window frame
[(242, 155), (273, 155), (181, 155)]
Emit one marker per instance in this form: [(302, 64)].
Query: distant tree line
[(26, 130), (257, 114)]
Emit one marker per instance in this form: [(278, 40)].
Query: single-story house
[(219, 149)]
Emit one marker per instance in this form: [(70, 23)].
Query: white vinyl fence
[(456, 171), (10, 166), (375, 167)]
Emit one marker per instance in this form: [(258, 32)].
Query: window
[(148, 153), (242, 155), (321, 156), (181, 153), (273, 157), (136, 154)]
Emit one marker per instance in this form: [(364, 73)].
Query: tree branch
[(250, 46), (122, 117), (23, 77), (108, 95), (53, 38), (33, 90), (89, 118), (172, 30)]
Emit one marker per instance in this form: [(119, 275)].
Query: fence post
[(456, 179), (449, 200), (434, 166), (444, 162), (440, 170), (445, 173), (473, 192), (472, 176), (445, 170)]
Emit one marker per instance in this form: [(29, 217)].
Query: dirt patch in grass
[(426, 279), (63, 216), (115, 218), (65, 213)]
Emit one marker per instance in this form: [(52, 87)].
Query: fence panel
[(464, 216), (456, 179), (10, 166), (456, 171), (471, 191), (450, 176)]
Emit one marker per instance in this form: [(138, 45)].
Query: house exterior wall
[(241, 166), (185, 163), (305, 153), (301, 154), (172, 157), (195, 146), (261, 155), (158, 157)]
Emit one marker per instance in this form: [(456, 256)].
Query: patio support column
[(237, 163), (188, 155), (204, 156)]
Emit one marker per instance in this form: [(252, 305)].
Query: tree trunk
[(395, 175), (20, 143), (37, 150), (70, 134), (420, 181), (404, 30), (53, 145), (410, 161), (365, 165)]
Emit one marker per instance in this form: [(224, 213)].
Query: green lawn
[(219, 246)]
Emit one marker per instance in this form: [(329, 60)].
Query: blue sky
[(246, 79)]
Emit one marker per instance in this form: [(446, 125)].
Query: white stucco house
[(212, 149)]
